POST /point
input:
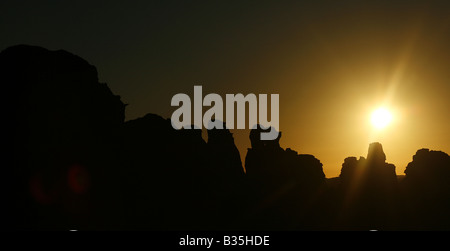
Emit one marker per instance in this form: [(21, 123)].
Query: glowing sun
[(381, 118)]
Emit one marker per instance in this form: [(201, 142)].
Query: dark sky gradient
[(332, 62)]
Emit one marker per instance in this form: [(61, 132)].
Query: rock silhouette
[(169, 170), (369, 191), (426, 190), (282, 184), (60, 138), (74, 163)]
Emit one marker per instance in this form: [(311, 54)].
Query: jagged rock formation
[(369, 191), (282, 184), (426, 191), (73, 163), (60, 135), (178, 181), (372, 172)]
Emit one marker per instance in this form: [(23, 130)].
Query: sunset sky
[(332, 62)]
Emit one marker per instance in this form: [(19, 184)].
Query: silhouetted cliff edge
[(70, 161)]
